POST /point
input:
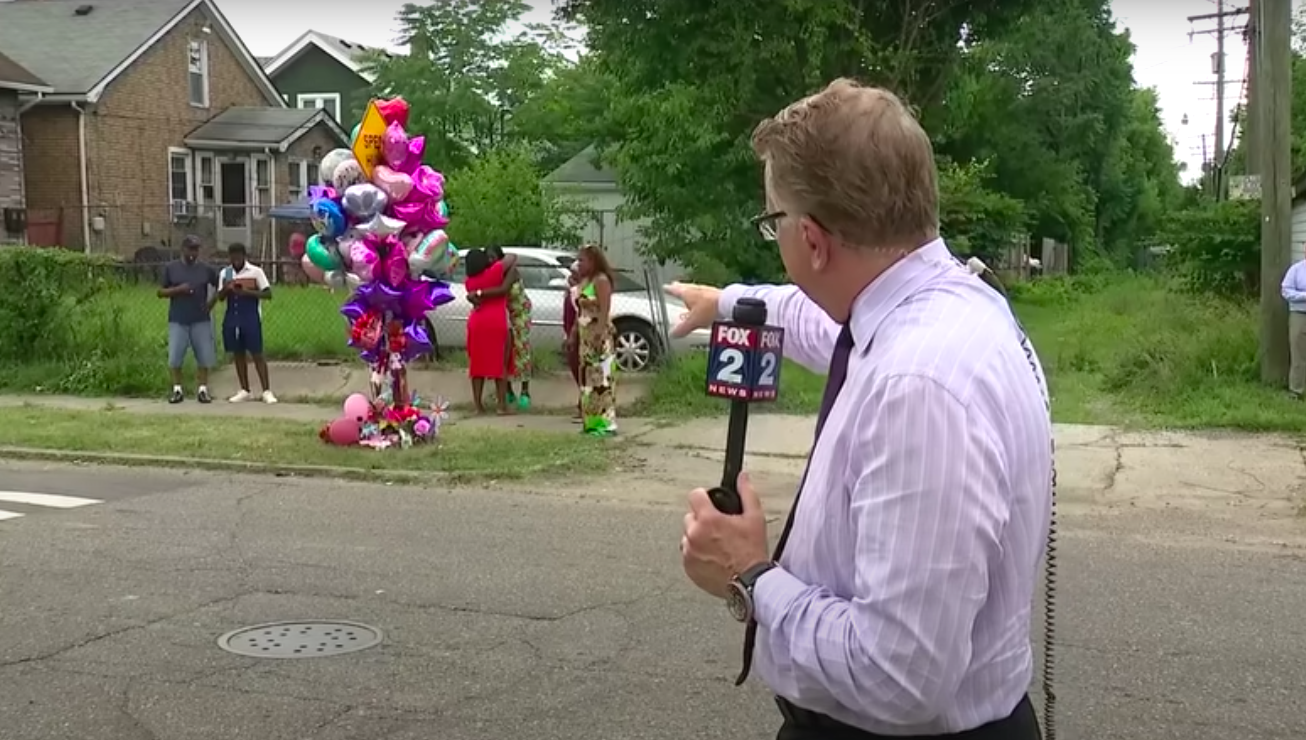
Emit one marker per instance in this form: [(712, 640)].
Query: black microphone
[(743, 365)]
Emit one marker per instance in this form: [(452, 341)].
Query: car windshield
[(625, 283)]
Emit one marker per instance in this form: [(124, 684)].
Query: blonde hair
[(855, 160)]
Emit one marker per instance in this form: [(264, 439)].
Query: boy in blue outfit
[(244, 287)]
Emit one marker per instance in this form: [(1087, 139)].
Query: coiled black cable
[(1050, 556)]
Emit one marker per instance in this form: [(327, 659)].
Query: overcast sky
[(1166, 58)]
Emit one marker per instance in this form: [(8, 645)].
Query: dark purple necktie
[(834, 380)]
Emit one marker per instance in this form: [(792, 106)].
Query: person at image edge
[(898, 600)]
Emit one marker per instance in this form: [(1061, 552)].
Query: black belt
[(1021, 724)]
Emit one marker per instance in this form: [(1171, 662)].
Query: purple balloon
[(383, 297), (418, 342), (356, 306), (441, 294), (321, 191)]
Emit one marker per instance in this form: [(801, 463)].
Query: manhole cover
[(300, 639)]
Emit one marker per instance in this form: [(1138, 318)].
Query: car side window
[(535, 273)]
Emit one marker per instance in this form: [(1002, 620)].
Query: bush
[(1217, 246), (59, 334), (1144, 344)]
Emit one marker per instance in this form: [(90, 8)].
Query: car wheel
[(637, 346)]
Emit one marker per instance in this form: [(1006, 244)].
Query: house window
[(295, 190), (199, 73), (262, 184), (180, 182), (330, 102), (206, 192), (311, 174)]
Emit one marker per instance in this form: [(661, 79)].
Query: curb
[(126, 459)]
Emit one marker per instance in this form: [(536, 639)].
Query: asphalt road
[(516, 615)]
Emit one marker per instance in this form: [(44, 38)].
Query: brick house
[(14, 82), (159, 122)]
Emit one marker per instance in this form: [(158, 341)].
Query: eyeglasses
[(768, 224)]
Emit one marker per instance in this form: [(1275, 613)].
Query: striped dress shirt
[(903, 599)]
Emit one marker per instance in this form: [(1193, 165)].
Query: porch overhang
[(263, 130)]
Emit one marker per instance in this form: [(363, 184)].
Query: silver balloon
[(326, 171), (381, 226), (352, 281), (363, 201)]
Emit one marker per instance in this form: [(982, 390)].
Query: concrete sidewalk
[(314, 382)]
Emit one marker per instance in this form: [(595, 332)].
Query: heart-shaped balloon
[(364, 260), (326, 170), (347, 173), (394, 110), (394, 145), (363, 201), (327, 218), (381, 226), (396, 185)]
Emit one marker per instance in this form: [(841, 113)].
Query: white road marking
[(8, 515), (45, 499)]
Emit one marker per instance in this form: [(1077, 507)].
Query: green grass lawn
[(300, 322), (462, 451), (1120, 349)]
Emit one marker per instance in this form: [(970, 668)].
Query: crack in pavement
[(47, 655)]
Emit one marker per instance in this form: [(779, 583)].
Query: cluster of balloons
[(380, 216)]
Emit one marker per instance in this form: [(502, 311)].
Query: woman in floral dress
[(595, 338), (519, 319)]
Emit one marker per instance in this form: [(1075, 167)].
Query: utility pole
[(1251, 123), (1217, 172), (1215, 166), (1273, 104)]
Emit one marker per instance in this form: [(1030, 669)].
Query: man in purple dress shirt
[(898, 600)]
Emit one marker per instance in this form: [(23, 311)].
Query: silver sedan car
[(636, 311)]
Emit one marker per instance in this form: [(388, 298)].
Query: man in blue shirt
[(186, 283), (1294, 292)]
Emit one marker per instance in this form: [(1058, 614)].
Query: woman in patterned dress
[(519, 323), (595, 338)]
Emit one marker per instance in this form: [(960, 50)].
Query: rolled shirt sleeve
[(810, 333)]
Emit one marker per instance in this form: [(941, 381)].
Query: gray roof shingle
[(73, 52), (352, 49), (581, 169), (13, 72), (264, 126)]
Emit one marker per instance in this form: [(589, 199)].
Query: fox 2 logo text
[(744, 362)]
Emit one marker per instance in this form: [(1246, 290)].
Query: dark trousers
[(801, 724)]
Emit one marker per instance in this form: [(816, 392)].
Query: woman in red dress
[(488, 347)]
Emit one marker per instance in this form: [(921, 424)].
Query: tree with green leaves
[(1031, 106), (498, 199), (466, 73)]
